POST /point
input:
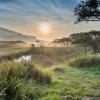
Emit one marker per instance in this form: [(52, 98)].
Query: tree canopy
[(63, 40), (88, 40), (87, 10)]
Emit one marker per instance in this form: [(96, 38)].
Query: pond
[(24, 58)]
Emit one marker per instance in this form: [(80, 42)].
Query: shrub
[(17, 81), (85, 62), (26, 71), (3, 84), (38, 74), (32, 91), (17, 89)]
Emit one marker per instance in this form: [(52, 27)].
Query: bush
[(18, 81), (19, 90), (85, 62), (26, 71), (15, 90), (38, 74), (33, 92)]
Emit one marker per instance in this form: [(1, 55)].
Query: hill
[(9, 35)]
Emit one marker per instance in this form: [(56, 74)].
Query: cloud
[(25, 15), (53, 10), (6, 1)]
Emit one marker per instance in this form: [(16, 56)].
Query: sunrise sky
[(45, 19)]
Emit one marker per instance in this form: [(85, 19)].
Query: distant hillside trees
[(89, 40), (66, 41), (87, 10)]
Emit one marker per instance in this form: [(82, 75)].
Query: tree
[(82, 39), (63, 40), (88, 10), (87, 40)]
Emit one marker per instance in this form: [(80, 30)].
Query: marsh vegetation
[(52, 74), (67, 70)]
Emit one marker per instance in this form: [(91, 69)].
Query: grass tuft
[(25, 71), (18, 81), (91, 61)]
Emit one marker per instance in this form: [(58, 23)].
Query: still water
[(24, 58)]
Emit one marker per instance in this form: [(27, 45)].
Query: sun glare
[(45, 28)]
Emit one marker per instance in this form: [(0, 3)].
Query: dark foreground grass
[(27, 82), (77, 80), (17, 81)]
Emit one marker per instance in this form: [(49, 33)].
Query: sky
[(27, 16)]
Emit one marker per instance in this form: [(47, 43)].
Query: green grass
[(27, 71), (45, 56), (42, 56), (12, 50), (86, 61), (48, 56), (18, 80), (53, 74), (73, 83), (68, 83)]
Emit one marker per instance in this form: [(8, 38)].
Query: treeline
[(89, 40)]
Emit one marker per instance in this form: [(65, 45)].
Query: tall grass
[(18, 80), (89, 61), (18, 89), (26, 71), (45, 56), (48, 56)]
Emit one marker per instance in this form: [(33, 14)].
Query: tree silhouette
[(88, 40), (82, 39), (88, 10), (64, 40)]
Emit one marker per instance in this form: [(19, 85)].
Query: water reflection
[(26, 58)]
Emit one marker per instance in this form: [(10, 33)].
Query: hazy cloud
[(26, 15)]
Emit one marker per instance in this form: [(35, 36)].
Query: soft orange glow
[(45, 28)]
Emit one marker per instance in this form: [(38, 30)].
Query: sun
[(45, 28)]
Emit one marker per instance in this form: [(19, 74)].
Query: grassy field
[(48, 56), (43, 56), (53, 74), (13, 50), (73, 83)]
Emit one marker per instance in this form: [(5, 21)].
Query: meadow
[(32, 67), (52, 74)]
